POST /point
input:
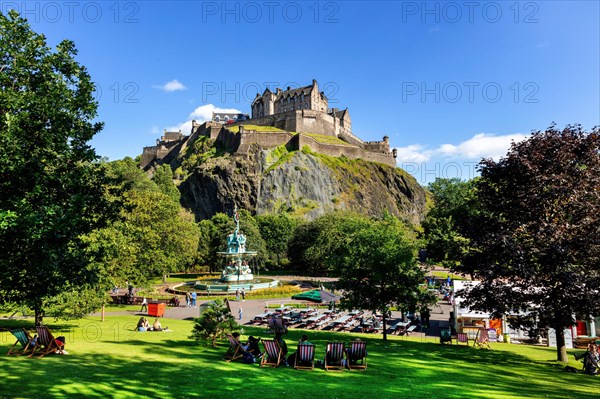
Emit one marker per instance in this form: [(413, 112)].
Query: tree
[(277, 230), (163, 177), (213, 323), (51, 185), (375, 260), (450, 219), (153, 236), (314, 245), (537, 251)]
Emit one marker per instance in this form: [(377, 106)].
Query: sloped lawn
[(110, 359)]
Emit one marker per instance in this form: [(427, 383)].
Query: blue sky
[(449, 82)]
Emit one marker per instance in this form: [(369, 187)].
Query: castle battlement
[(296, 116)]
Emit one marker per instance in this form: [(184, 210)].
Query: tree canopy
[(537, 251), (449, 221), (51, 185)]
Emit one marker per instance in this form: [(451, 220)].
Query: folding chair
[(482, 339), (462, 338), (273, 354), (445, 336), (235, 351), (334, 356), (356, 355), (24, 339), (47, 343), (305, 357)]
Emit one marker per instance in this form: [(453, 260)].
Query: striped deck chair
[(482, 339), (235, 351), (462, 338), (305, 357), (334, 356), (47, 343), (445, 336), (24, 339), (356, 355), (272, 355)]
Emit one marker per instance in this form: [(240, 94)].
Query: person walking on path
[(240, 313), (188, 299), (237, 295), (144, 305), (243, 295), (194, 295)]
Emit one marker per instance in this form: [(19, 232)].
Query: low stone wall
[(337, 150)]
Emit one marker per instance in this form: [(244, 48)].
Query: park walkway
[(252, 307)]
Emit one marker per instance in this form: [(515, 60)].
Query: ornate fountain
[(236, 268), (237, 272)]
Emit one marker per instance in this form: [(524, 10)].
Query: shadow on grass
[(123, 363)]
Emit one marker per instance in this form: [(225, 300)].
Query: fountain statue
[(236, 268)]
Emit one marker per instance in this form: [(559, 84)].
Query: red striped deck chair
[(462, 338), (272, 355), (482, 339), (305, 357), (24, 339), (356, 355), (47, 343), (334, 356), (235, 350)]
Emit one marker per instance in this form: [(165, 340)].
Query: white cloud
[(204, 112), (413, 153), (435, 29), (482, 145), (173, 85), (201, 114), (154, 130)]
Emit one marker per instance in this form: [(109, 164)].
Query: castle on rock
[(293, 117)]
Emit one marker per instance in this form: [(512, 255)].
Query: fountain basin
[(216, 285)]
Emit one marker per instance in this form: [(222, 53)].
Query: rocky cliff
[(300, 182)]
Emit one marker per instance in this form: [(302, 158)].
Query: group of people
[(143, 325), (190, 299), (240, 293)]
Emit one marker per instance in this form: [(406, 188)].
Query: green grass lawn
[(109, 359)]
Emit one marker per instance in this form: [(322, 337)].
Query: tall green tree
[(377, 268), (450, 220), (314, 245), (537, 253), (51, 187), (153, 236), (277, 230)]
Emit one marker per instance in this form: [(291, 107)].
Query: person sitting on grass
[(303, 341), (143, 324), (156, 325)]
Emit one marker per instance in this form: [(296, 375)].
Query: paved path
[(250, 308)]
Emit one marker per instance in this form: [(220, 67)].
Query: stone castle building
[(294, 117)]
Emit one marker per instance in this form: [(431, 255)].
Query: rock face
[(302, 183)]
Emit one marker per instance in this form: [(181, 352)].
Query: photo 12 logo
[(117, 92), (454, 92), (245, 93), (469, 11), (426, 172), (74, 11), (270, 12)]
